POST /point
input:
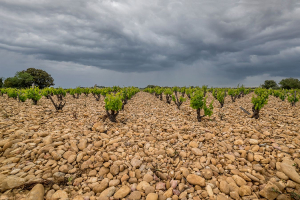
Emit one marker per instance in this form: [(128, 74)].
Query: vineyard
[(156, 143)]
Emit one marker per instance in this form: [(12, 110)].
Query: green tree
[(40, 77), (20, 80), (270, 84), (290, 83), (1, 82)]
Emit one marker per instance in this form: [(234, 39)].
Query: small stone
[(224, 187), (168, 193), (245, 190), (102, 186), (197, 152), (170, 152), (183, 195), (82, 144), (239, 142), (136, 195), (222, 197), (195, 180), (148, 178), (193, 144), (239, 180), (36, 193), (270, 191), (60, 194), (160, 186), (149, 189), (142, 185), (48, 140), (253, 141), (230, 157), (207, 173), (152, 196), (114, 182), (185, 172), (136, 162), (173, 183), (282, 175), (114, 169), (209, 191), (72, 158), (122, 192), (235, 195), (108, 192)]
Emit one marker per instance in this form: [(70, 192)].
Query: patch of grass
[(295, 196)]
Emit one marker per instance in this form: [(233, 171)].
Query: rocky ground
[(154, 151)]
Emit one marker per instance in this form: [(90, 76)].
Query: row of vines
[(198, 97), (115, 98)]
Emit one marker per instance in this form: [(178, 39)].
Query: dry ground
[(154, 151)]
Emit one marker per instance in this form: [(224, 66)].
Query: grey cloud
[(233, 39)]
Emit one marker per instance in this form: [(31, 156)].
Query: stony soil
[(154, 151)]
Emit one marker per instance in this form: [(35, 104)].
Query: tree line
[(25, 79), (288, 83)]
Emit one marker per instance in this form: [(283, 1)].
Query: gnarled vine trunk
[(112, 115), (255, 113)]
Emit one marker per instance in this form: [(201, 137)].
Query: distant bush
[(290, 83), (270, 84)]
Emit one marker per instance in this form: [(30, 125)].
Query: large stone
[(169, 193), (193, 144), (282, 175), (148, 178), (136, 195), (114, 182), (224, 187), (60, 194), (197, 152), (253, 141), (222, 197), (152, 196), (142, 185), (108, 192), (207, 173), (122, 192), (239, 180), (48, 140), (114, 169), (230, 157), (102, 186), (245, 190), (195, 180), (290, 171), (72, 158), (136, 162), (270, 191), (11, 182), (99, 127), (36, 193), (82, 144), (160, 186)]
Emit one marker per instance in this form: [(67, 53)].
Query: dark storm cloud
[(234, 38)]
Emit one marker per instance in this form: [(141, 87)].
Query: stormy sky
[(220, 43)]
